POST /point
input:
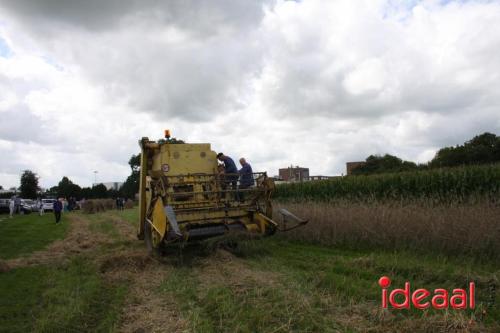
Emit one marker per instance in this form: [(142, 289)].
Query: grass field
[(105, 282), (27, 233)]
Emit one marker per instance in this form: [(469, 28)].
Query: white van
[(48, 204)]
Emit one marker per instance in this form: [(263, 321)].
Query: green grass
[(24, 234), (67, 298), (101, 223), (274, 285), (318, 289), (352, 275), (129, 215), (249, 308)]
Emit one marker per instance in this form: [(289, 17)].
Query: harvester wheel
[(148, 239)]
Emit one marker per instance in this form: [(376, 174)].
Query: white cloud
[(308, 82)]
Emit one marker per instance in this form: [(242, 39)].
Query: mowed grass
[(283, 286), (129, 215), (24, 234), (351, 276), (65, 296), (268, 285)]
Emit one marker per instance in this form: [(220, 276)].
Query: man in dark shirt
[(17, 204), (246, 177), (230, 170), (57, 210)]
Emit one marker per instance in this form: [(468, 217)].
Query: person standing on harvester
[(57, 210), (230, 170), (246, 177)]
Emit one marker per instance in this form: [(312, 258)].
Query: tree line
[(30, 188), (482, 149)]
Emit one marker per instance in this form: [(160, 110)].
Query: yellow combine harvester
[(183, 197)]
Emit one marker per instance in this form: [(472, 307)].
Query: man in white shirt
[(12, 206), (40, 207)]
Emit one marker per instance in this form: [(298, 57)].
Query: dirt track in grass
[(79, 240)]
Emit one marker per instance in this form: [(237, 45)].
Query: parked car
[(4, 205), (31, 204), (24, 209), (48, 204)]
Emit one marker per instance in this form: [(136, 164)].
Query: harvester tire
[(148, 239)]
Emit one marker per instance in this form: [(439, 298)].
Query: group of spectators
[(60, 205), (231, 174), (120, 203)]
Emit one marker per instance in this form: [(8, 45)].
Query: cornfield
[(461, 184)]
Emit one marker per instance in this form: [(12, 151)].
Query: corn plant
[(458, 184)]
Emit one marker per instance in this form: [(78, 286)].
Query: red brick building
[(294, 174), (353, 165)]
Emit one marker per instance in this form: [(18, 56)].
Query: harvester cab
[(183, 197)]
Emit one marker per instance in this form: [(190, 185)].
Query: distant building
[(111, 185), (353, 165), (294, 174)]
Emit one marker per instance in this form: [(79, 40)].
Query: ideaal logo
[(423, 298)]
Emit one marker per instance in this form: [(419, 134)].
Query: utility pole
[(95, 177)]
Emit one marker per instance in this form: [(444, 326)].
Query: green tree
[(481, 149), (383, 164), (86, 193), (29, 184), (99, 191), (131, 186), (66, 189), (52, 192)]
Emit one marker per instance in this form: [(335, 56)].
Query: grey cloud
[(313, 69), (328, 81), (200, 76), (18, 124), (202, 16), (92, 14)]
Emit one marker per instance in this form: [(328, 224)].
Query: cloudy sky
[(310, 83)]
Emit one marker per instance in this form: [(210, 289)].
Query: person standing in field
[(41, 210), (12, 206), (17, 204), (57, 210)]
